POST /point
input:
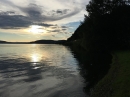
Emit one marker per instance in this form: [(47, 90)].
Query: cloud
[(21, 14), (33, 11), (7, 13), (58, 30), (38, 12), (62, 12), (33, 14), (44, 24), (64, 29), (64, 26), (15, 21)]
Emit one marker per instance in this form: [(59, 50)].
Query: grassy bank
[(117, 82)]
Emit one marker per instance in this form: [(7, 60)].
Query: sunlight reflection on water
[(34, 70), (36, 58)]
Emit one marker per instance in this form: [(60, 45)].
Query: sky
[(30, 20)]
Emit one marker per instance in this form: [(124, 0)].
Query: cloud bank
[(52, 15), (14, 14)]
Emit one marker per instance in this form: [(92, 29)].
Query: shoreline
[(116, 82)]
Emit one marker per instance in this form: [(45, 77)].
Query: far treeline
[(107, 26)]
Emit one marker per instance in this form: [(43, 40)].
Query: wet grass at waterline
[(117, 82)]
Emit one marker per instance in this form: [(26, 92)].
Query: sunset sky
[(29, 20)]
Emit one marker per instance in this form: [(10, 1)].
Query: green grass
[(117, 82)]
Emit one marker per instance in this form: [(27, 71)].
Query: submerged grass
[(117, 82)]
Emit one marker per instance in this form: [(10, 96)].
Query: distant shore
[(36, 42)]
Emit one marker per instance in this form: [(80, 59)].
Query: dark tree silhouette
[(105, 27)]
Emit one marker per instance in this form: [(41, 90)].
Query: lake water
[(34, 70)]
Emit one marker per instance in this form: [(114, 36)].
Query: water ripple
[(39, 71)]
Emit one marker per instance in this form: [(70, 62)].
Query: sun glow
[(35, 29), (35, 58)]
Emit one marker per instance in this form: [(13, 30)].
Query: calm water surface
[(33, 70)]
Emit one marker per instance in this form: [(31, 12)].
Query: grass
[(117, 82)]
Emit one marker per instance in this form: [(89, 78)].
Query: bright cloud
[(17, 16)]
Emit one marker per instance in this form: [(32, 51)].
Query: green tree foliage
[(106, 26)]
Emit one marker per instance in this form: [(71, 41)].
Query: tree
[(106, 26)]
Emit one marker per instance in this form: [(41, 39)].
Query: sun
[(35, 29)]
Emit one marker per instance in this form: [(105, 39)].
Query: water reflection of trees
[(93, 66)]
